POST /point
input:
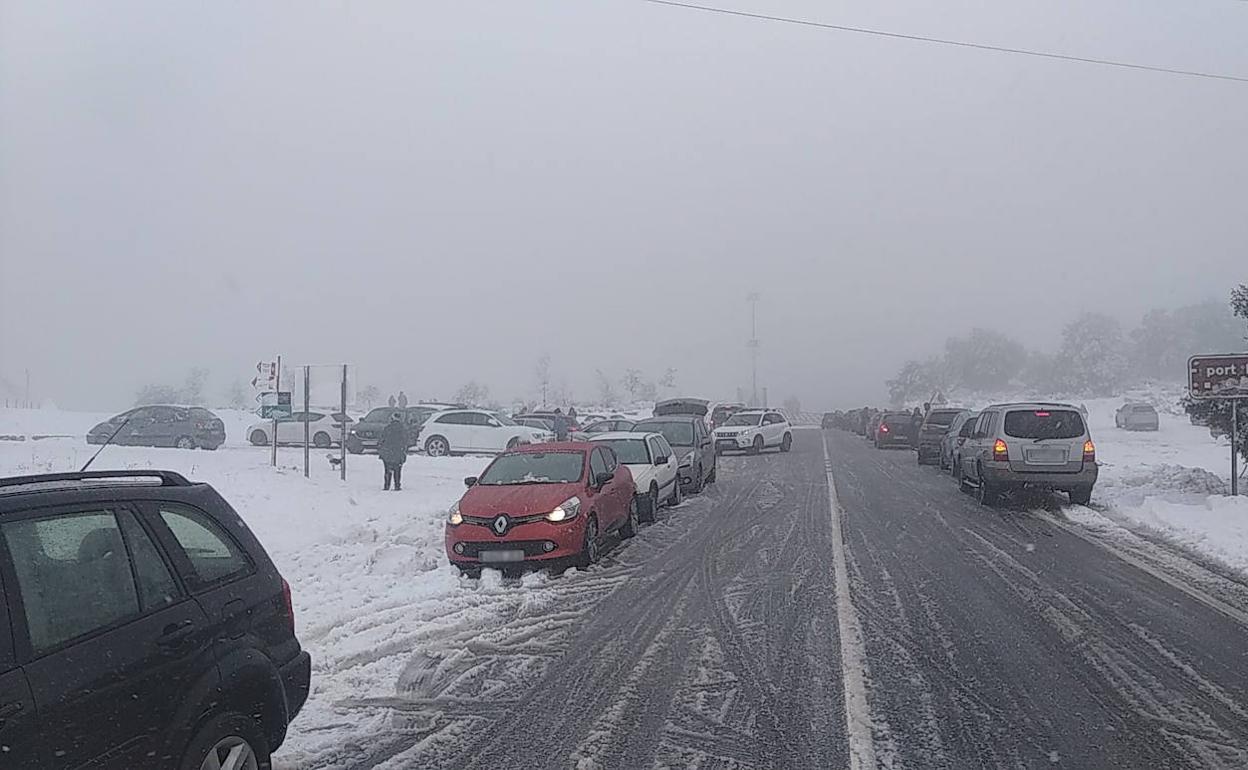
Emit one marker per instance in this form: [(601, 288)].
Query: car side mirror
[(661, 460), (602, 479), (471, 481)]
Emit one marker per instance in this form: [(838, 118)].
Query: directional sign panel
[(1218, 376)]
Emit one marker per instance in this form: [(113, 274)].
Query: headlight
[(453, 518), (566, 510)]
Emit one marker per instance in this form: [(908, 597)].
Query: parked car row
[(996, 451), (554, 504)]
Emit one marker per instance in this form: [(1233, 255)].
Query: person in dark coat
[(392, 401), (559, 425), (402, 400), (392, 449)]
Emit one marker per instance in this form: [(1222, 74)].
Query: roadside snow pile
[(1216, 526), (1139, 481)]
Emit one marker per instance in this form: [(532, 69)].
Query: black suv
[(366, 433), (184, 427), (142, 625)]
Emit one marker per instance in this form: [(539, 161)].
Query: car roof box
[(693, 406)]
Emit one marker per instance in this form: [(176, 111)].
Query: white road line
[(853, 650)]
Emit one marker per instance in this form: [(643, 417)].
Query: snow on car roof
[(624, 434)]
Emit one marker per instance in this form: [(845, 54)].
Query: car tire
[(227, 737), (258, 438), (699, 481), (786, 443), (629, 528), (757, 446), (184, 442), (437, 446), (355, 446), (1081, 496), (986, 494), (322, 440), (589, 549), (960, 477), (676, 497), (649, 503)]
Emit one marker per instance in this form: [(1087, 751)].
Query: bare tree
[(472, 393), (369, 395), (606, 389), (542, 371)]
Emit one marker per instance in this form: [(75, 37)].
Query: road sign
[(275, 405), (1218, 376)]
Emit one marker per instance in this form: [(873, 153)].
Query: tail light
[(1000, 452), (883, 429), (201, 426), (1089, 451), (290, 605)]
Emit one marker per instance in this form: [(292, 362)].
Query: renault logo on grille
[(501, 523)]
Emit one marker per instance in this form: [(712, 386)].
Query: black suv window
[(212, 553), (157, 587), (72, 573)]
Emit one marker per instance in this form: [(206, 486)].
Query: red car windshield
[(534, 468)]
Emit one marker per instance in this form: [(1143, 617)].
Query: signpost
[(1222, 377)]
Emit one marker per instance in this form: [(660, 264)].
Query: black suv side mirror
[(603, 478)]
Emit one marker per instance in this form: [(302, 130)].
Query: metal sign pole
[(342, 446), (1234, 447), (307, 375), (278, 389)]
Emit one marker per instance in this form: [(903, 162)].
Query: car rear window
[(1044, 423), (1145, 408), (944, 419), (893, 420)]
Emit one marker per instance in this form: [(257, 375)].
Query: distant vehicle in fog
[(457, 431), (753, 430), (1137, 417), (721, 412), (893, 429), (324, 430), (366, 433), (954, 438), (602, 426), (931, 432), (184, 427)]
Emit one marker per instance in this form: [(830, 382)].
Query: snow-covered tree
[(918, 381), (606, 388), (472, 393), (983, 359), (1093, 358), (370, 395), (632, 383)]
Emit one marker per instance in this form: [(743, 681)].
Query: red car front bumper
[(477, 545)]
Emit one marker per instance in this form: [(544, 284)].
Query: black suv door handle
[(175, 633)]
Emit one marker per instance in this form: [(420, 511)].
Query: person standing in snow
[(559, 425), (392, 449), (402, 400), (572, 413), (391, 400)]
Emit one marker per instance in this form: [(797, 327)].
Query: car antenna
[(124, 423)]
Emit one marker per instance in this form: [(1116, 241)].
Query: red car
[(542, 504)]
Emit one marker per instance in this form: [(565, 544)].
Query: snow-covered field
[(370, 580)]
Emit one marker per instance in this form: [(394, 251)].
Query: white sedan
[(754, 430), (458, 431), (324, 430), (654, 466)]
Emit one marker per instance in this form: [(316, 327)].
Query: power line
[(941, 41)]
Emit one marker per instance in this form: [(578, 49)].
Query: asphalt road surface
[(720, 637)]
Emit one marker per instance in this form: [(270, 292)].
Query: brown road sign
[(1218, 376)]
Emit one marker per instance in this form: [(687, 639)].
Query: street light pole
[(752, 344)]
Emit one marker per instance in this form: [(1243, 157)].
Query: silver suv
[(1037, 445)]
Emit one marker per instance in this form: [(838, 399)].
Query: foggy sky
[(444, 192)]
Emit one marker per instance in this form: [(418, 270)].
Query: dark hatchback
[(894, 429), (142, 625), (184, 427), (932, 432), (365, 434)]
